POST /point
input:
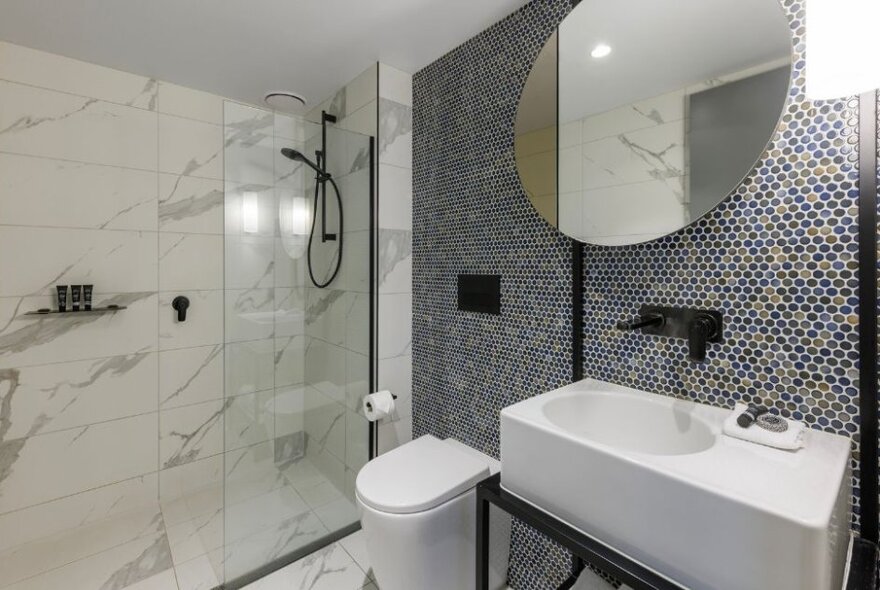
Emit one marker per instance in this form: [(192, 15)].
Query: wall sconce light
[(843, 49), (250, 213)]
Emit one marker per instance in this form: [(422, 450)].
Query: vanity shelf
[(69, 312)]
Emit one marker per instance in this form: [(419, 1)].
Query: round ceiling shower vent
[(284, 100)]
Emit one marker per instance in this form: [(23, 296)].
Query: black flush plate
[(678, 320), (480, 293)]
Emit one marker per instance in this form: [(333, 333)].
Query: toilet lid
[(418, 476)]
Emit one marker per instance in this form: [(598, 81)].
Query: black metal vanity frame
[(585, 549)]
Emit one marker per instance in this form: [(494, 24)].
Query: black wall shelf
[(70, 312)]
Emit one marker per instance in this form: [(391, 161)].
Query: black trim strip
[(373, 379), (868, 451), (577, 311)]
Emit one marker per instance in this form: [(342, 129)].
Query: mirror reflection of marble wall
[(637, 144)]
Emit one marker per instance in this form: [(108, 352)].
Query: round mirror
[(641, 116)]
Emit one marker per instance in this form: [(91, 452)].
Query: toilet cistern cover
[(418, 476)]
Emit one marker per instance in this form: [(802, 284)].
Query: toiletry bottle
[(87, 297), (62, 297), (75, 296)]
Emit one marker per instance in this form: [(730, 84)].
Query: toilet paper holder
[(393, 396)]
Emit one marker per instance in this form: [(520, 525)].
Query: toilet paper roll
[(378, 405)]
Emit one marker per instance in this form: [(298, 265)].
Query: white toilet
[(418, 513)]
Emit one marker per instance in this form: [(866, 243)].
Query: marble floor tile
[(330, 568)]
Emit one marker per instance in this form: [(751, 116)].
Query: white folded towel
[(790, 440)]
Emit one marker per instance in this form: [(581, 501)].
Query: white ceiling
[(661, 46), (243, 48)]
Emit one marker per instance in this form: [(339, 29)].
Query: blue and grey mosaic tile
[(778, 257)]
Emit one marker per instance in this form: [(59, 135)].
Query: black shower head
[(299, 157)]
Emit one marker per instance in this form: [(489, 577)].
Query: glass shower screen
[(297, 357)]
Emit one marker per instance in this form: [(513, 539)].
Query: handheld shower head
[(299, 157)]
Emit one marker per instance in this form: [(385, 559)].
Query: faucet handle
[(703, 328)]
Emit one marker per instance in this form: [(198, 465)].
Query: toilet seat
[(418, 476)]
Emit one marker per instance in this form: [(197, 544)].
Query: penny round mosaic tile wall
[(779, 258)]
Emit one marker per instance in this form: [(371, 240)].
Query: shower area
[(298, 203)]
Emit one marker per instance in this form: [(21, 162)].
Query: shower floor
[(179, 545)]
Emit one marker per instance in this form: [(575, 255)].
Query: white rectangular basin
[(652, 477)]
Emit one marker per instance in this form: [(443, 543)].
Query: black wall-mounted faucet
[(703, 329), (699, 327), (180, 305), (650, 320)]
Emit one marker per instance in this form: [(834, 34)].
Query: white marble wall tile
[(190, 205), (249, 420), (196, 537), (395, 197), (116, 569), (250, 262), (354, 275), (71, 512), (191, 490), (656, 153), (247, 118), (395, 85), (292, 128), (39, 122), (395, 134), (292, 174), (290, 264), (394, 434), (355, 189), (327, 313), (289, 360), (357, 324), (189, 103), (190, 433), (57, 193), (58, 550), (324, 423), (289, 410), (55, 72), (570, 134), (662, 109), (362, 121), (395, 261), (325, 368), (395, 375), (570, 169), (47, 398), (250, 157), (190, 375), (250, 472), (395, 325), (360, 91), (290, 311), (571, 211), (250, 366), (331, 467), (190, 148), (38, 340), (112, 261), (250, 314), (256, 514), (357, 379), (658, 203), (204, 320), (51, 466), (190, 262), (357, 451)]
